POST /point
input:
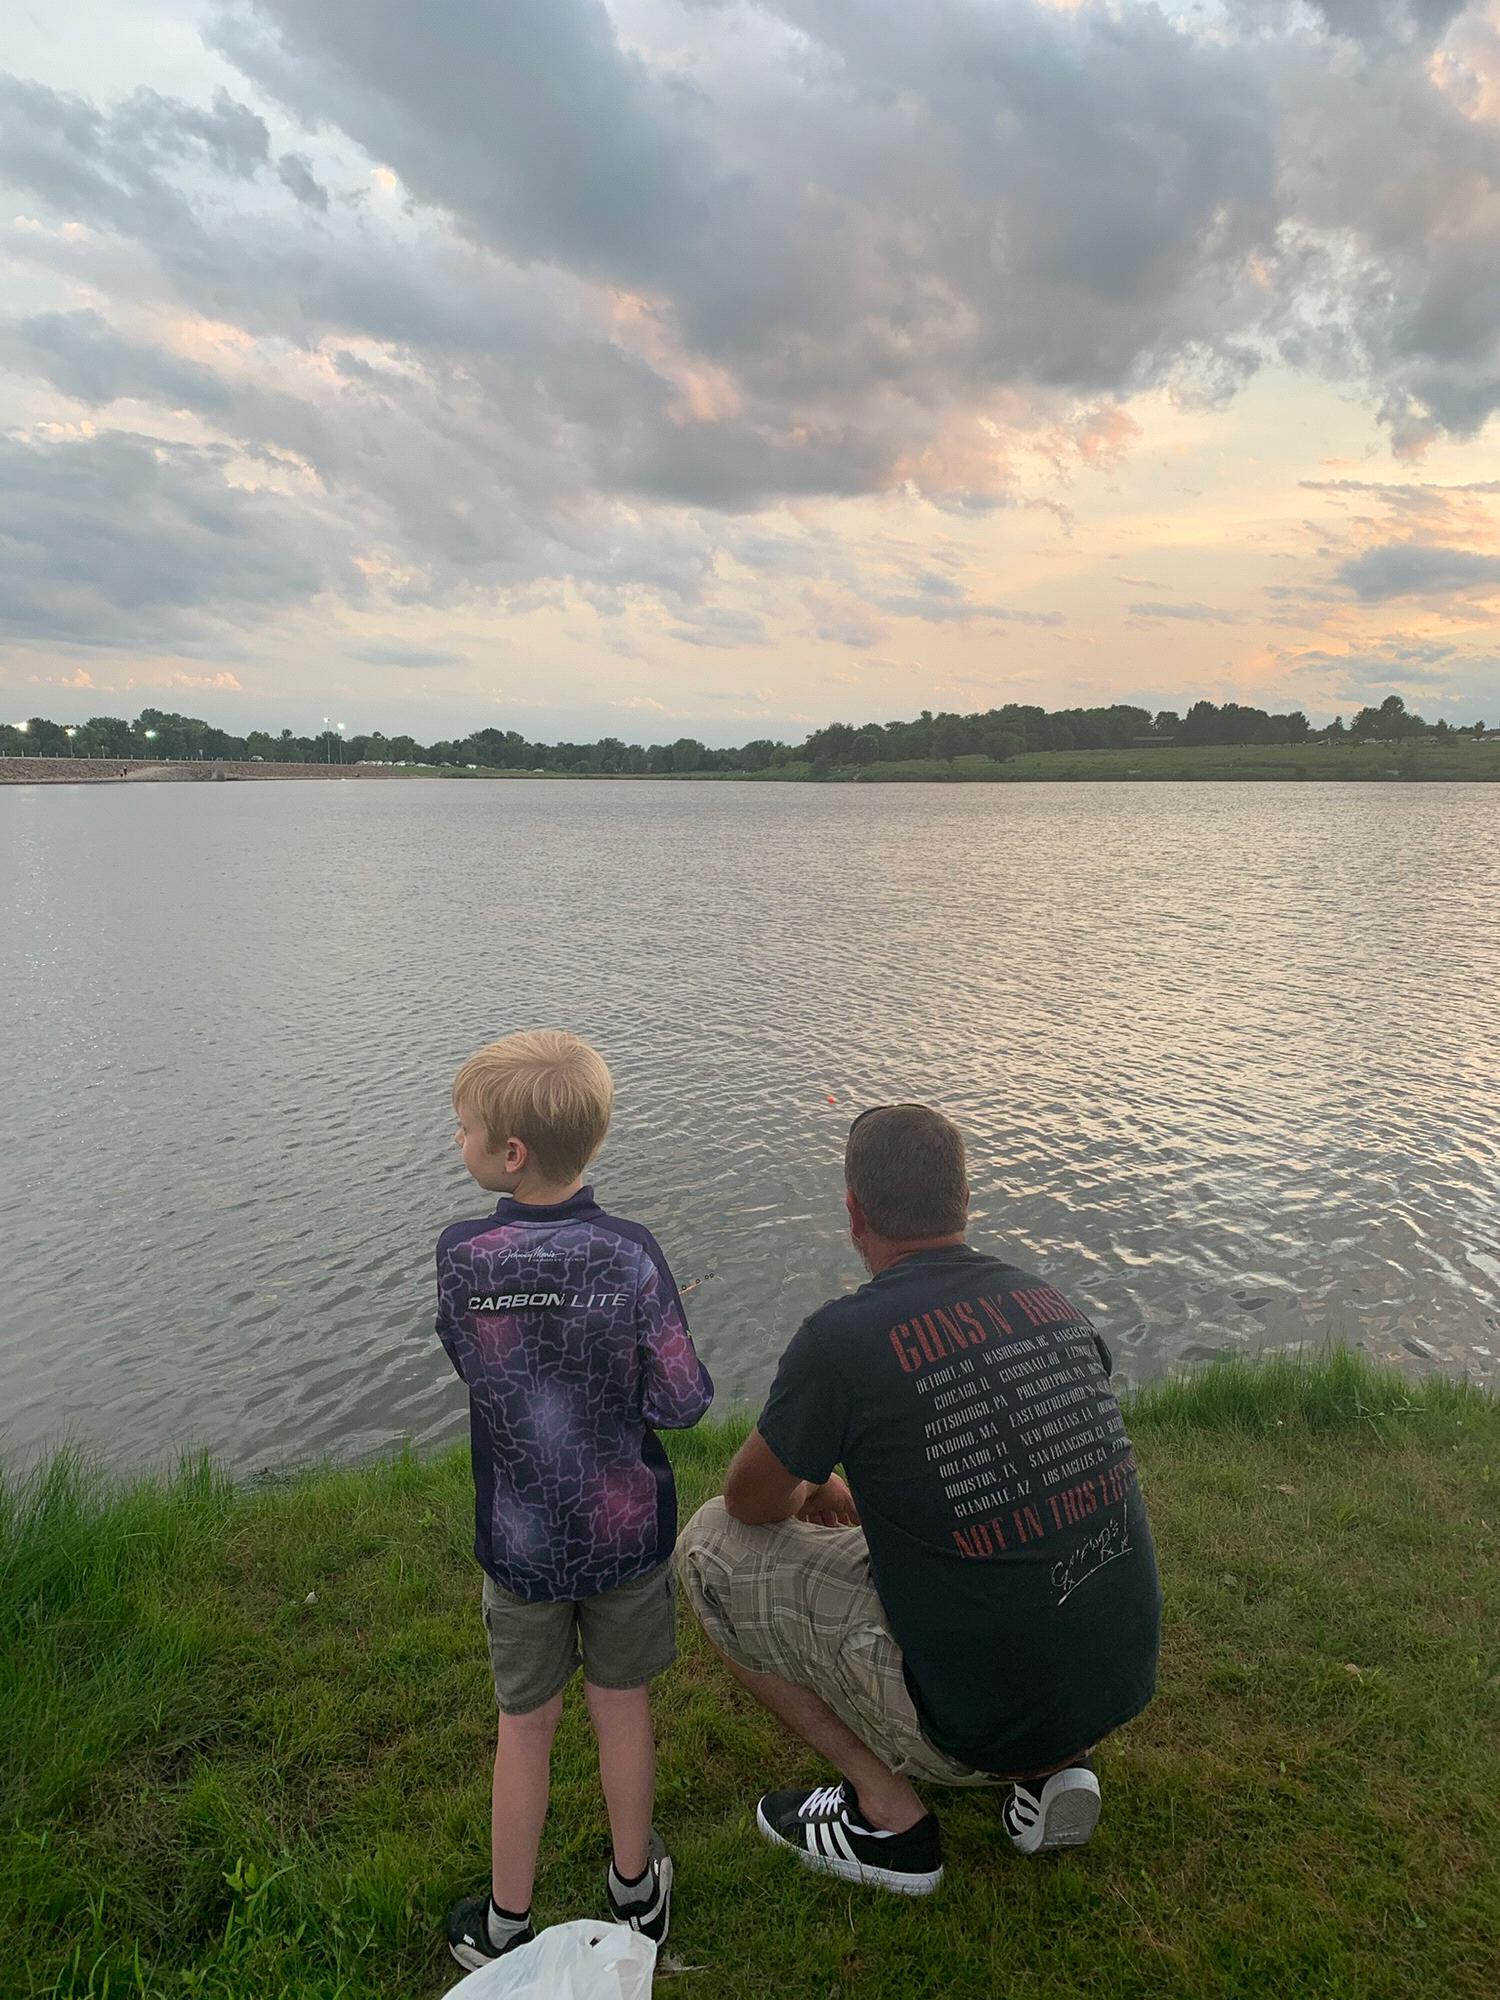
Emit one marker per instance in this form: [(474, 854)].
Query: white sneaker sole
[(851, 1871), (1069, 1814), (471, 1958)]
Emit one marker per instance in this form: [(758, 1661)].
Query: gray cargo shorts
[(623, 1638), (797, 1601)]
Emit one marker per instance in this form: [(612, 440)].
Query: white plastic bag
[(587, 1960)]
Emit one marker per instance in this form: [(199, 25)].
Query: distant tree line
[(997, 733)]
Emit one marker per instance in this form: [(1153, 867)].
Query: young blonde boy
[(569, 1333)]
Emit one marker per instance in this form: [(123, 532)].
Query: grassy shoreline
[(1421, 761), (246, 1734)]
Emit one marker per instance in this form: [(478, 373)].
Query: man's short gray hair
[(904, 1165)]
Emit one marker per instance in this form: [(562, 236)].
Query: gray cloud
[(230, 137), (900, 222), (1442, 677), (1398, 243), (116, 169), (920, 208), (1421, 21), (294, 171), (633, 293), (529, 123), (117, 540), (944, 600), (1381, 23), (1402, 494), (721, 629), (971, 610), (84, 357), (1413, 569), (394, 654), (1197, 613)]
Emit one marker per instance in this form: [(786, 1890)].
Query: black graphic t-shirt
[(969, 1405)]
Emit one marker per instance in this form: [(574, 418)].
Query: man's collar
[(931, 1254)]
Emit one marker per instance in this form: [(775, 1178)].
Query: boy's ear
[(517, 1153)]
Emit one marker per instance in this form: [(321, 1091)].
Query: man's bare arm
[(760, 1490)]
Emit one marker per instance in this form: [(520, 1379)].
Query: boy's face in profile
[(498, 1170)]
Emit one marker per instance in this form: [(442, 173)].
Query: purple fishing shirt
[(567, 1329)]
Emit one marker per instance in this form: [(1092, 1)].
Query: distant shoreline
[(1467, 761)]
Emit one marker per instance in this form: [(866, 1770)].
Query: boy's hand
[(830, 1505)]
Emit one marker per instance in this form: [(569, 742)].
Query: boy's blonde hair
[(546, 1088)]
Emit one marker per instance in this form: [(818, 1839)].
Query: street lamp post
[(340, 728), (70, 733), (150, 736)]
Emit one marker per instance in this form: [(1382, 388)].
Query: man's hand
[(830, 1505)]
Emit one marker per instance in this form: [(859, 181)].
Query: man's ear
[(857, 1221)]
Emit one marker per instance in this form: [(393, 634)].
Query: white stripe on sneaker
[(646, 1913), (805, 1845)]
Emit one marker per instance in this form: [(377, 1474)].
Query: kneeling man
[(979, 1603)]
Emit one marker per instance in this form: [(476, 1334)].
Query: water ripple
[(1225, 1057)]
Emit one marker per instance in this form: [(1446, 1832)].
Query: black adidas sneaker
[(1063, 1812), (646, 1905), (826, 1830), (469, 1934)]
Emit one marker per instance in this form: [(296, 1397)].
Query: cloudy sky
[(725, 366)]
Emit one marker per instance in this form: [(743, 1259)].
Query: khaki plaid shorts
[(797, 1601)]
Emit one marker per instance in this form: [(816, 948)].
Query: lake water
[(1225, 1056)]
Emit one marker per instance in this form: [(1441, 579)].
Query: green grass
[(245, 1736), (1465, 761)]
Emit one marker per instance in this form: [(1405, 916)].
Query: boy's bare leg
[(627, 1770), (887, 1801), (523, 1760)]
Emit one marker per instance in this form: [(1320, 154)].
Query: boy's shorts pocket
[(533, 1649)]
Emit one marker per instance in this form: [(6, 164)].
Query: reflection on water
[(1225, 1056)]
